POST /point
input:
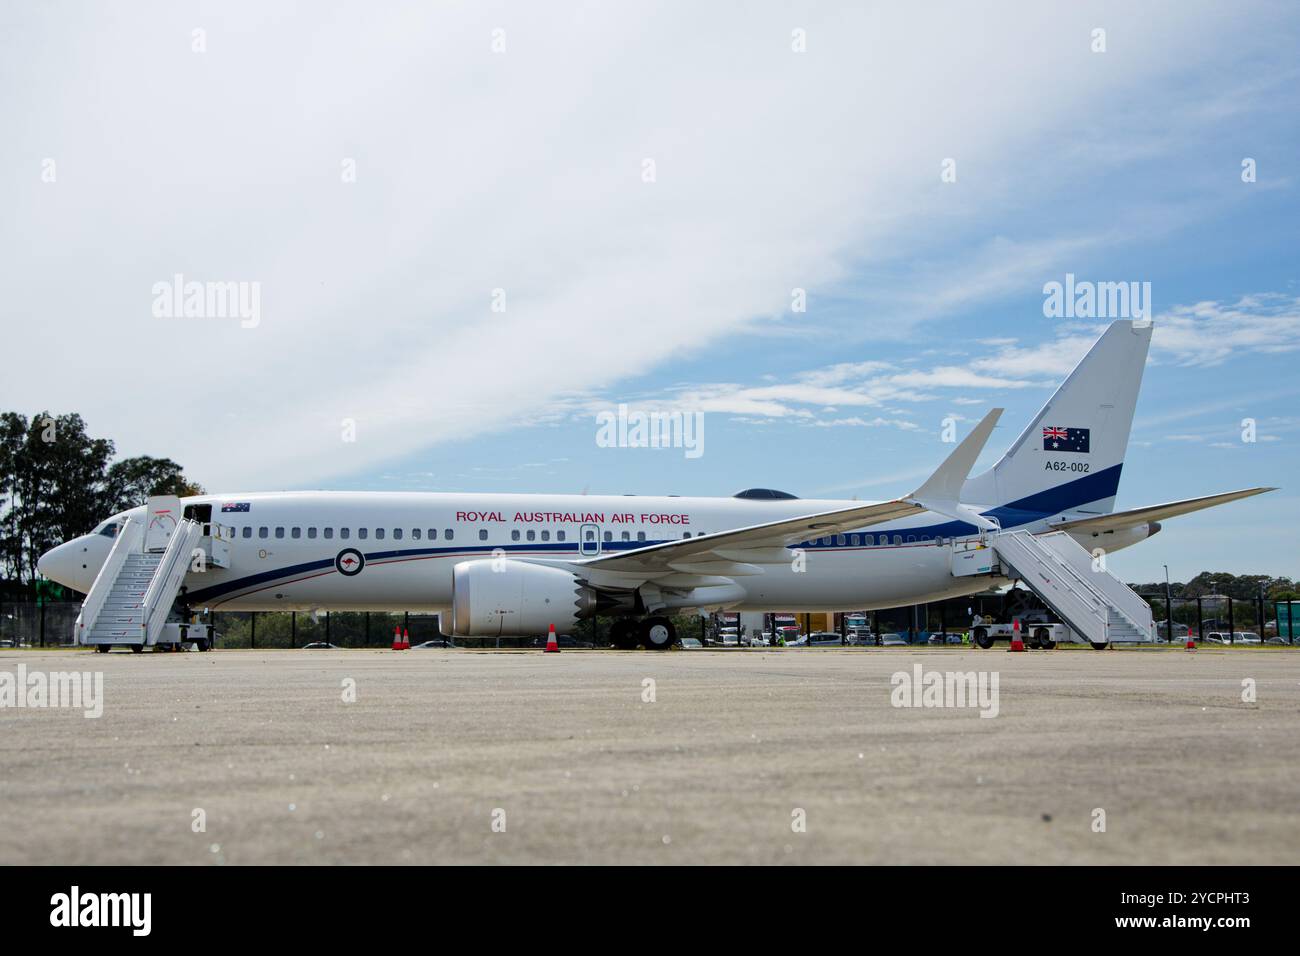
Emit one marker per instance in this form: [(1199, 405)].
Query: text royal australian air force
[(575, 517)]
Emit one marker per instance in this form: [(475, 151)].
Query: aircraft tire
[(981, 638), (1096, 646), (1044, 641), (624, 634), (657, 633)]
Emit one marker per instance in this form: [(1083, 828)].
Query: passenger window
[(363, 533), (311, 533), (686, 534), (514, 535), (482, 534), (264, 532), (856, 539), (329, 533), (532, 535), (591, 536), (248, 531), (415, 534), (839, 539), (911, 538), (449, 534), (898, 539), (397, 534), (559, 536), (546, 535), (279, 532), (640, 535), (295, 532), (627, 535), (345, 533), (609, 536), (433, 534), (869, 539), (379, 534)]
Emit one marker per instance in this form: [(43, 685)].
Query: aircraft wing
[(723, 551), (748, 544), (1127, 519)]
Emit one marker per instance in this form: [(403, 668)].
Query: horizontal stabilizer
[(1127, 519)]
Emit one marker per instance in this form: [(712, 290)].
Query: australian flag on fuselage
[(1065, 439)]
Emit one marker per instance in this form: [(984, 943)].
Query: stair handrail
[(127, 536), (178, 549), (1125, 600), (1060, 561), (1089, 601)]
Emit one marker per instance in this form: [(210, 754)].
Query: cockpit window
[(109, 530)]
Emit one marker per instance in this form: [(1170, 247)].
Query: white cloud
[(519, 171), (1208, 333)]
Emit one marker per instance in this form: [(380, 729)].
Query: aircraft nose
[(59, 564)]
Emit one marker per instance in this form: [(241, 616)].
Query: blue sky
[(523, 170), (1179, 217)]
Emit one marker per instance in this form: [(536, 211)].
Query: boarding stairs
[(1074, 585), (134, 591)]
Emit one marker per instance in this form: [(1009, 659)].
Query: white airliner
[(516, 564)]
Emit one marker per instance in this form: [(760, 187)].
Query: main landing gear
[(654, 633)]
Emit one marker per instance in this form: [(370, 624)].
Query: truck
[(1036, 630)]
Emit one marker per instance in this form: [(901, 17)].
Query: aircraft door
[(164, 510)]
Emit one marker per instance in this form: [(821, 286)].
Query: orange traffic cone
[(1191, 644), (397, 638), (552, 645), (1016, 643), (406, 640)]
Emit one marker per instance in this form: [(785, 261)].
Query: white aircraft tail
[(1070, 455)]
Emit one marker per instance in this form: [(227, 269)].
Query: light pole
[(1169, 610)]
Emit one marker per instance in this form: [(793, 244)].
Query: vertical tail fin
[(1070, 455)]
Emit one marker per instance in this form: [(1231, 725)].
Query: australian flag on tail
[(1065, 439)]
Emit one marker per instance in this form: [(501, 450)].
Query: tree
[(131, 481), (56, 483), (13, 432), (57, 471)]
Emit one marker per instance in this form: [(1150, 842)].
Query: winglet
[(945, 484)]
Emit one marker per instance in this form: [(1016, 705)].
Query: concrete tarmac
[(442, 749)]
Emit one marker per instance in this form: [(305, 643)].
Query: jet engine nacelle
[(498, 596)]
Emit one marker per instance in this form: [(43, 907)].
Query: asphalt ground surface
[(744, 756)]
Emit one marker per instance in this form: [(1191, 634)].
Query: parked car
[(819, 639), (1245, 637), (427, 645), (691, 644), (893, 640), (320, 646)]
